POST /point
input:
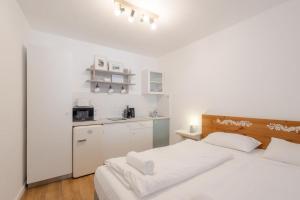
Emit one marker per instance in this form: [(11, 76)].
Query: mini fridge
[(86, 149)]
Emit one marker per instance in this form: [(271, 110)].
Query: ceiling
[(181, 21)]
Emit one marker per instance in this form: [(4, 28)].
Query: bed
[(246, 176)]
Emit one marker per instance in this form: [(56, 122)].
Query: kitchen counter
[(107, 121)]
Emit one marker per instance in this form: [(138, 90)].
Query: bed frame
[(260, 129)]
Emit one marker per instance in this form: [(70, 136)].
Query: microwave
[(83, 113)]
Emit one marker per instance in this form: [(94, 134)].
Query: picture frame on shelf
[(100, 63), (115, 66)]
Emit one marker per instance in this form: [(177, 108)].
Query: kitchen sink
[(117, 119)]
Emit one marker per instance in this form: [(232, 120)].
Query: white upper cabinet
[(152, 82), (49, 118)]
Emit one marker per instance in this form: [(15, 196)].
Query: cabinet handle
[(83, 140)]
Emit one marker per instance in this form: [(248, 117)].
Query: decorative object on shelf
[(235, 123), (100, 63), (132, 11), (123, 90), (97, 88), (126, 70), (115, 67), (284, 128), (117, 78), (107, 79), (110, 90)]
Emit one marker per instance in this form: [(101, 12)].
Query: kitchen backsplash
[(113, 105)]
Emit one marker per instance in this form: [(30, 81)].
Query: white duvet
[(173, 164)]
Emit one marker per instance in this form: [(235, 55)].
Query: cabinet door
[(49, 120), (160, 132), (115, 140), (142, 139), (87, 149), (141, 135), (152, 82)]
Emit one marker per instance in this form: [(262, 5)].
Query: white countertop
[(107, 121)]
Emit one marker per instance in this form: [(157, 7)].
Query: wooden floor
[(73, 189)]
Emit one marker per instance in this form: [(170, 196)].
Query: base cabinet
[(92, 145), (120, 138), (161, 132), (141, 136), (115, 141)]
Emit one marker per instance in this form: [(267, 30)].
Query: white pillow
[(232, 141), (283, 151)]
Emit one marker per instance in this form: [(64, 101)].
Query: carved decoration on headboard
[(280, 127), (235, 123)]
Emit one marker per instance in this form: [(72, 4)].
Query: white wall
[(250, 69), (113, 105), (12, 102), (83, 57)]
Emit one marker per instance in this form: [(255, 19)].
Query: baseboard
[(20, 193), (51, 180)]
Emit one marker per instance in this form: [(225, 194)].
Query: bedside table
[(187, 135)]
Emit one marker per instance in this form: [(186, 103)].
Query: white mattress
[(247, 177)]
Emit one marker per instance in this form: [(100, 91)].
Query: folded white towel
[(140, 163)]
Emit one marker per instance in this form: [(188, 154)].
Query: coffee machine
[(129, 112)]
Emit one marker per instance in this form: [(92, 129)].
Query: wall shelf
[(115, 83), (110, 72), (104, 80)]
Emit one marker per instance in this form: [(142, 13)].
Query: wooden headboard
[(260, 129)]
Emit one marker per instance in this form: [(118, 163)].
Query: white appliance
[(49, 118), (86, 149)]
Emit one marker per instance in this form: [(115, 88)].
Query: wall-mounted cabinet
[(152, 82)]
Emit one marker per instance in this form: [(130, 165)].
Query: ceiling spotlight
[(118, 9), (131, 17), (153, 24), (145, 18)]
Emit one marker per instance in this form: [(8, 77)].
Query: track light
[(133, 11), (131, 17)]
